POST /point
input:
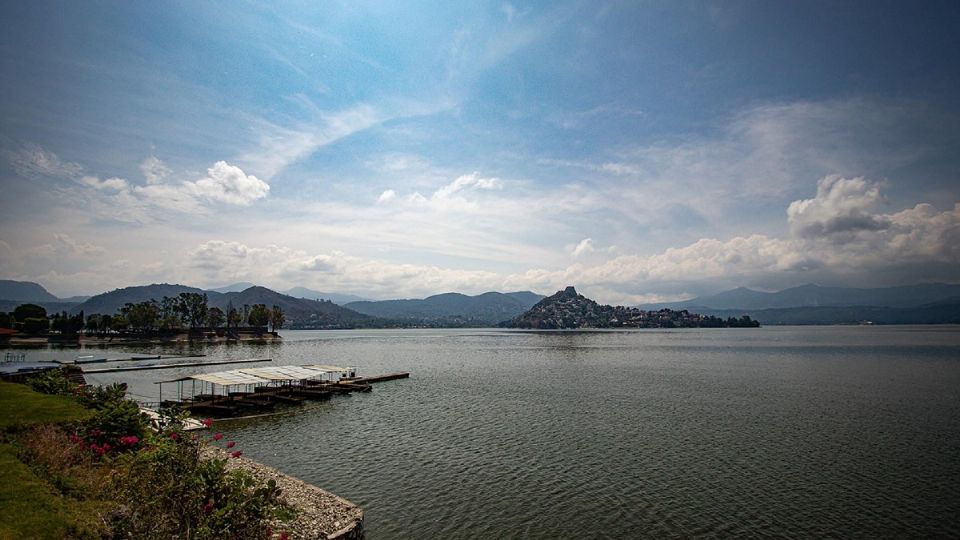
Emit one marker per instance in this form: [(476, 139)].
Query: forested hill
[(299, 312)]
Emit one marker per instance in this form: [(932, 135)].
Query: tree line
[(187, 311)]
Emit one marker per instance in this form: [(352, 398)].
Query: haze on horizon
[(642, 151)]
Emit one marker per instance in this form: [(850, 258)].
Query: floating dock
[(256, 391)]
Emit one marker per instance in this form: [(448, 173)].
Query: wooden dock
[(379, 378), (264, 399)]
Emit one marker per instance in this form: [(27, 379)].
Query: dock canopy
[(262, 375)]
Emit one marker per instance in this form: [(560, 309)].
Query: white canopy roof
[(228, 378), (263, 375), (284, 373)]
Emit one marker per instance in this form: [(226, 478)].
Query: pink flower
[(284, 535), (174, 435), (74, 438), (231, 444), (207, 508), (96, 433), (208, 422), (238, 453), (129, 440), (218, 436)]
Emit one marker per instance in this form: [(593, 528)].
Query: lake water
[(777, 431)]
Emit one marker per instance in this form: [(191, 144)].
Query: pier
[(257, 391)]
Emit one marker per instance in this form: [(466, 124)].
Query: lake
[(776, 431)]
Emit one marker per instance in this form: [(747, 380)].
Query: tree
[(193, 308), (6, 321), (215, 317), (259, 316), (277, 318), (142, 316), (29, 311)]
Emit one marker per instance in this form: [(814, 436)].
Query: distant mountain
[(25, 291), (483, 309), (336, 298), (299, 312), (568, 309), (233, 287), (74, 299), (817, 296), (941, 312), (111, 302)]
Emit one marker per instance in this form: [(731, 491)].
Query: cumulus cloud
[(117, 199), (841, 206), (229, 184), (837, 233)]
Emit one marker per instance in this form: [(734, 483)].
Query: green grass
[(20, 407), (29, 507)]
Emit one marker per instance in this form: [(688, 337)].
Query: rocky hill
[(568, 309)]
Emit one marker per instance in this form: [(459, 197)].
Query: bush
[(169, 491), (52, 381)]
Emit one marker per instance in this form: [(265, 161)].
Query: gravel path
[(320, 514)]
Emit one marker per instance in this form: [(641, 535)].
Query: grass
[(21, 407), (29, 506)]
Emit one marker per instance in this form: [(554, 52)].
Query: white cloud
[(835, 234), (32, 160), (154, 170), (229, 184), (585, 246), (472, 181), (116, 184), (222, 261), (387, 196)]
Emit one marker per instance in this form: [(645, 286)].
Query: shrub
[(52, 381), (167, 490)]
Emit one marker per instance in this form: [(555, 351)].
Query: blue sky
[(641, 151)]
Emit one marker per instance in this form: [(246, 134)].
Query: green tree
[(29, 311), (142, 316), (215, 317), (6, 321), (277, 318), (259, 316), (193, 308)]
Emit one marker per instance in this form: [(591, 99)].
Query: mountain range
[(459, 309), (296, 292), (806, 304), (816, 296)]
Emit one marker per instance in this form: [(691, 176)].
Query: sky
[(640, 151)]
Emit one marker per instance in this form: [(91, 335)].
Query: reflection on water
[(828, 431)]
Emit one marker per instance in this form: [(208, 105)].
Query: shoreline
[(320, 514)]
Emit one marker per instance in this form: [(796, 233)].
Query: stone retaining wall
[(320, 514)]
